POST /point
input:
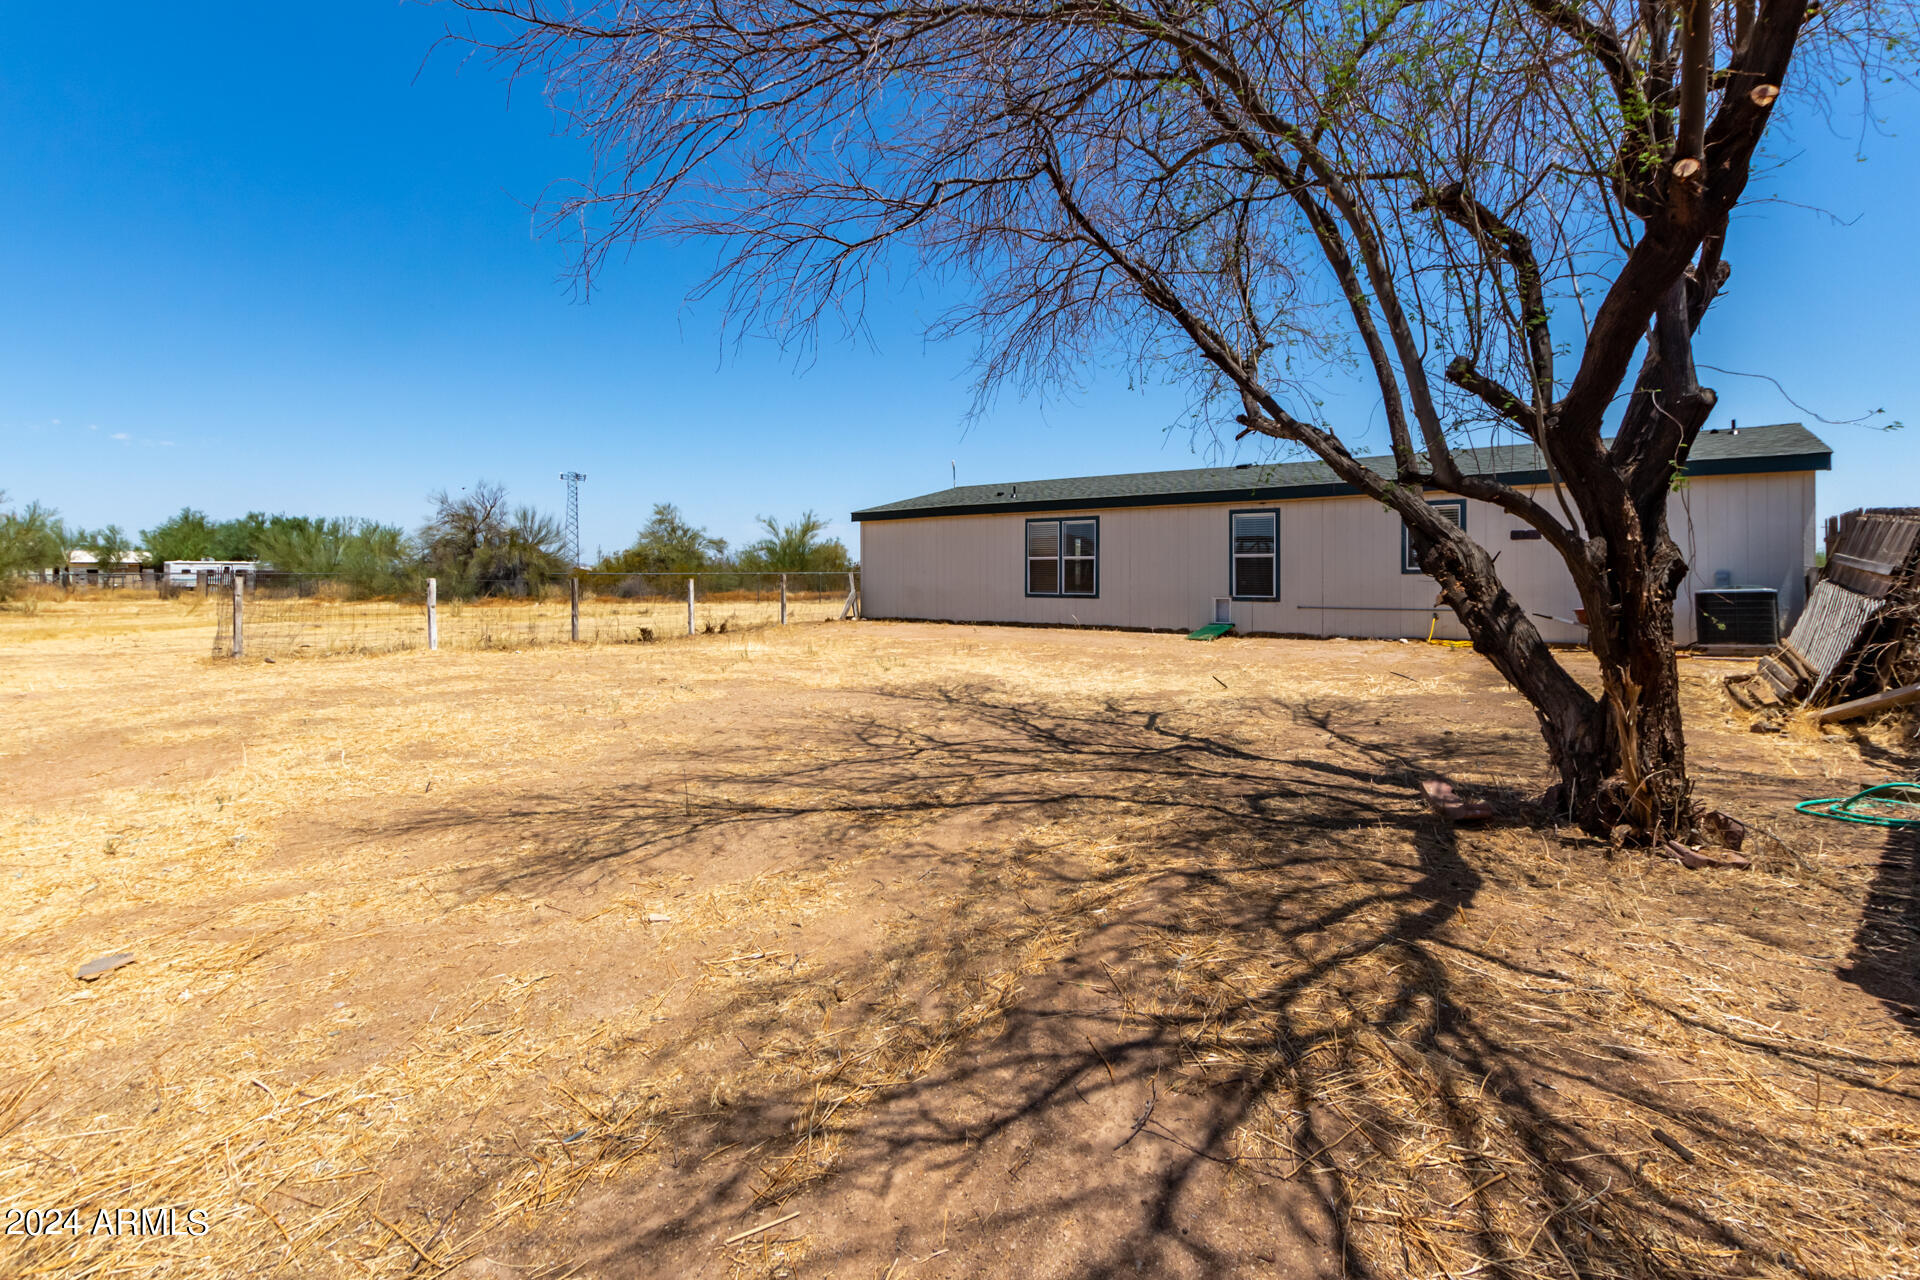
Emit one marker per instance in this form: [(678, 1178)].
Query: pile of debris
[(1855, 650)]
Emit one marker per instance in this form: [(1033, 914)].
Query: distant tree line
[(669, 543), (475, 542), (372, 557), (34, 538)]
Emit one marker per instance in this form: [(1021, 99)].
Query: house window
[(1063, 557), (1043, 557), (1256, 554), (1454, 509)]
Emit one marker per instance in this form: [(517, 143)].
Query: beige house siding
[(1163, 567)]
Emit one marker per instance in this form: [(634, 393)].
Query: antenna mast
[(573, 479)]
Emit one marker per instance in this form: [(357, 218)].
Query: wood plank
[(1882, 567), (1868, 705), (1783, 680), (93, 969)]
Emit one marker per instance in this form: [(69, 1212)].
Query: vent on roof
[(1241, 466)]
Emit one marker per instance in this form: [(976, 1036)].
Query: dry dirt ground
[(928, 951)]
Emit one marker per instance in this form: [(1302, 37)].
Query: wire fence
[(310, 615)]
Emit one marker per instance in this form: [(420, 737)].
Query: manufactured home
[(186, 573), (1288, 549), (84, 569)]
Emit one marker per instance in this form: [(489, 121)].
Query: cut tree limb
[(1442, 800), (1688, 856)]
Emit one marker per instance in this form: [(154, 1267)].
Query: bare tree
[(482, 546), (1512, 214)]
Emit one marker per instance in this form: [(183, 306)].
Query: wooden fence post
[(689, 606), (573, 586), (239, 618), (847, 610), (433, 613), (783, 599), (200, 582)]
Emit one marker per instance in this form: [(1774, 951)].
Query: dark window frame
[(1060, 559), (1407, 565), (1233, 577)]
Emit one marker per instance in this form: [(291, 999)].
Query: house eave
[(1822, 461)]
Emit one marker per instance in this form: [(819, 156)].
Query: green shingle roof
[(1751, 450)]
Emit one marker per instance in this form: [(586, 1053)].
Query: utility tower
[(573, 479)]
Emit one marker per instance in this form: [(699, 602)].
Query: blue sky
[(272, 257)]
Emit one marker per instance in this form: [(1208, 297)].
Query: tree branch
[(1461, 373), (1499, 239)]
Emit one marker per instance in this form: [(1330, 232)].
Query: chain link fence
[(276, 615)]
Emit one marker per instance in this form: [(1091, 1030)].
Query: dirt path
[(977, 951)]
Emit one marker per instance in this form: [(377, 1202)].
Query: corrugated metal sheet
[(1828, 630)]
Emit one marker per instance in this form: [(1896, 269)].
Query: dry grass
[(302, 627), (585, 961), (39, 612), (292, 626)]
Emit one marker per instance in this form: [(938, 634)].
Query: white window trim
[(1234, 557), (1456, 505), (1060, 558)]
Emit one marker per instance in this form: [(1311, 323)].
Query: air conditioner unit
[(1737, 615)]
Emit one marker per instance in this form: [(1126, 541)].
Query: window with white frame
[(1256, 554), (1453, 509), (1063, 557)]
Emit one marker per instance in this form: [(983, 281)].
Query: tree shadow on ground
[(1886, 949), (1193, 1007), (1885, 958)]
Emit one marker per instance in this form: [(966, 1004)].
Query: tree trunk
[(1620, 756)]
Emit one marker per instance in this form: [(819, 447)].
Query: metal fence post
[(433, 613), (239, 619), (573, 585), (689, 606), (783, 599)]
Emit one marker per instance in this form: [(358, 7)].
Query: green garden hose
[(1842, 807)]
